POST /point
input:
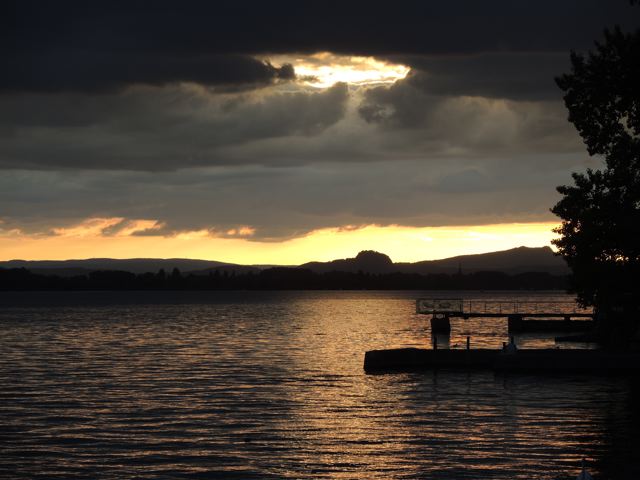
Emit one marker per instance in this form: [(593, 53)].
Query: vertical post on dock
[(468, 342), (514, 323), (435, 342), (440, 323)]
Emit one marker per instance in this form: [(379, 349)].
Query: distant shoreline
[(279, 278)]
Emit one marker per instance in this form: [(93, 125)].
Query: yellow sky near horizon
[(402, 244)]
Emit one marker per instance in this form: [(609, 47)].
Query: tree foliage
[(601, 94), (600, 212)]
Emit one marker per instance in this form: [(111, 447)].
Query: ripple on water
[(270, 385)]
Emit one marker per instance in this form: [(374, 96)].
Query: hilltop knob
[(375, 262)]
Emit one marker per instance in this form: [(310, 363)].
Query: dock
[(534, 360), (547, 316)]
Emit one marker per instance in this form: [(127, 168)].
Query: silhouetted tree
[(600, 231)]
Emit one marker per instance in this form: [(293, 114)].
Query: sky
[(284, 132)]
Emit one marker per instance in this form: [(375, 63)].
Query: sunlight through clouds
[(323, 70)]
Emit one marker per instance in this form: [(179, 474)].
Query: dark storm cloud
[(479, 126), (172, 128), (101, 72), (284, 203), (170, 111), (157, 128), (515, 76), (99, 46)]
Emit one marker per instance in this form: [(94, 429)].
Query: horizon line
[(271, 264)]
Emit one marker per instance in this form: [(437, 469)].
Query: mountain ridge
[(512, 261)]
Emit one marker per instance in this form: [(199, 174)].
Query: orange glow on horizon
[(402, 244)]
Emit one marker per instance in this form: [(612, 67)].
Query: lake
[(271, 385)]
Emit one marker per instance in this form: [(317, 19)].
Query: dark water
[(271, 385)]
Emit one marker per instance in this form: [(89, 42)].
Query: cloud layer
[(177, 116)]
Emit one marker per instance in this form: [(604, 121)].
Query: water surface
[(271, 385)]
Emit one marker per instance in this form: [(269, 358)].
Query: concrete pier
[(539, 360), (407, 359)]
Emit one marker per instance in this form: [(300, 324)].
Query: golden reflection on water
[(256, 385)]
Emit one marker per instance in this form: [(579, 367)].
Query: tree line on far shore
[(279, 278)]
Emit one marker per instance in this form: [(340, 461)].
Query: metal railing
[(475, 306), (460, 306)]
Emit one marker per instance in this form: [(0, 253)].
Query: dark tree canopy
[(601, 94), (600, 235), (600, 212)]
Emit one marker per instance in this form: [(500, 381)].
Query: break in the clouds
[(165, 118), (105, 45)]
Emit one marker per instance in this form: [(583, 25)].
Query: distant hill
[(134, 265), (366, 261), (513, 261)]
